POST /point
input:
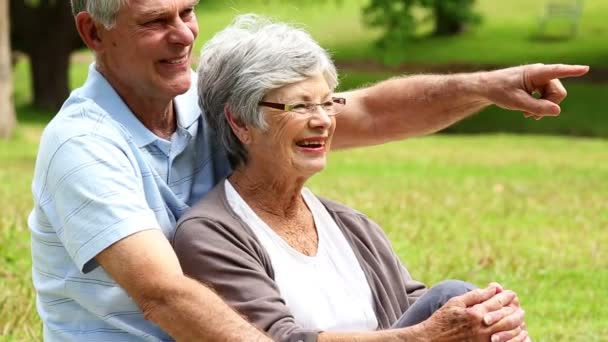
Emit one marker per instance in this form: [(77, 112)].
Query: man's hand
[(464, 318), (533, 89)]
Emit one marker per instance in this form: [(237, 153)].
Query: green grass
[(527, 211), (507, 35)]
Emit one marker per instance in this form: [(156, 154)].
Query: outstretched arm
[(417, 105)]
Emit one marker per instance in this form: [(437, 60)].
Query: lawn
[(508, 33), (529, 211)]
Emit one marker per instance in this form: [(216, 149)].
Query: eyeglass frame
[(289, 107)]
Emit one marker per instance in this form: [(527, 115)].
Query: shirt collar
[(103, 94)]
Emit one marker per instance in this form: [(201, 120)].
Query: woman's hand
[(490, 314)]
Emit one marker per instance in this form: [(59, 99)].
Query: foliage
[(395, 17), (452, 16)]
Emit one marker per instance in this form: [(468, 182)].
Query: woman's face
[(296, 145)]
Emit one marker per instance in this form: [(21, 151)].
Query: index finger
[(478, 296), (546, 73), (500, 300)]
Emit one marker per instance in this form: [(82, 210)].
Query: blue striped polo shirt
[(100, 176)]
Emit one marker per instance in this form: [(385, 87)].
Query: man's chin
[(180, 87)]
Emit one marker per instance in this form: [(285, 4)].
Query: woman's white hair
[(103, 11), (243, 62)]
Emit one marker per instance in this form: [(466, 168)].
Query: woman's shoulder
[(340, 209), (210, 215), (212, 205)]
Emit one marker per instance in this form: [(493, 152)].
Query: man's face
[(147, 54)]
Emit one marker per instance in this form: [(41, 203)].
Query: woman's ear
[(238, 127)]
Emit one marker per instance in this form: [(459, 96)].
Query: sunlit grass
[(528, 211)]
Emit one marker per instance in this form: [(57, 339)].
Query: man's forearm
[(408, 106), (410, 334), (192, 312)]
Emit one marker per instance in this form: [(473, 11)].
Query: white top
[(327, 291)]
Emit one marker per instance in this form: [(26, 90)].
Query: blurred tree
[(452, 17), (7, 109), (395, 17), (45, 31)]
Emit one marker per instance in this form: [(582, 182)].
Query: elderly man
[(129, 152)]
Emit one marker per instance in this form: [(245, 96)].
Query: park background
[(494, 198)]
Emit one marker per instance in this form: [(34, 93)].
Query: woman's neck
[(277, 200), (271, 194)]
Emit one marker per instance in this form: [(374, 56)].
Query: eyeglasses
[(330, 107)]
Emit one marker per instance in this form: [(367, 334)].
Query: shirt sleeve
[(229, 263), (93, 196)]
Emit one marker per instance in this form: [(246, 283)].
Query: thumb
[(534, 106)]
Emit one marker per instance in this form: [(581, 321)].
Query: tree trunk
[(8, 120), (47, 34), (49, 76), (446, 24)]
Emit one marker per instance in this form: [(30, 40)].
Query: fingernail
[(495, 338), (487, 320)]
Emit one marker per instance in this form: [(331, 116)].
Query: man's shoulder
[(81, 117)]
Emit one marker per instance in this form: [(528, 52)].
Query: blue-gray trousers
[(431, 301)]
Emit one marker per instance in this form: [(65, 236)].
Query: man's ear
[(238, 127), (91, 32)]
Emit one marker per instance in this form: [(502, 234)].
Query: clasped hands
[(482, 315)]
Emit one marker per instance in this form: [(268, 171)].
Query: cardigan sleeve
[(387, 257), (234, 265), (393, 287)]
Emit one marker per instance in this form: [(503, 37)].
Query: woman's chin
[(311, 170)]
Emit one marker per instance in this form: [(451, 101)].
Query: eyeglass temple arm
[(274, 105), (339, 100)]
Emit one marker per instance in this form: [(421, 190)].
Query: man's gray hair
[(103, 11), (243, 62)]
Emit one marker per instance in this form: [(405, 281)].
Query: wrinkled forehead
[(157, 7), (308, 89)]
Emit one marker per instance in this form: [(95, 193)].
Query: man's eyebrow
[(194, 3), (155, 12)]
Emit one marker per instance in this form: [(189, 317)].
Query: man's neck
[(161, 122), (157, 113)]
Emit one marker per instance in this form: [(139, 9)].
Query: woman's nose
[(320, 118)]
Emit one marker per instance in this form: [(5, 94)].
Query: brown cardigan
[(217, 248)]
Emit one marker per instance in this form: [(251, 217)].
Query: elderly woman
[(298, 266)]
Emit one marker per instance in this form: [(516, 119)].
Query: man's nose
[(181, 33)]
